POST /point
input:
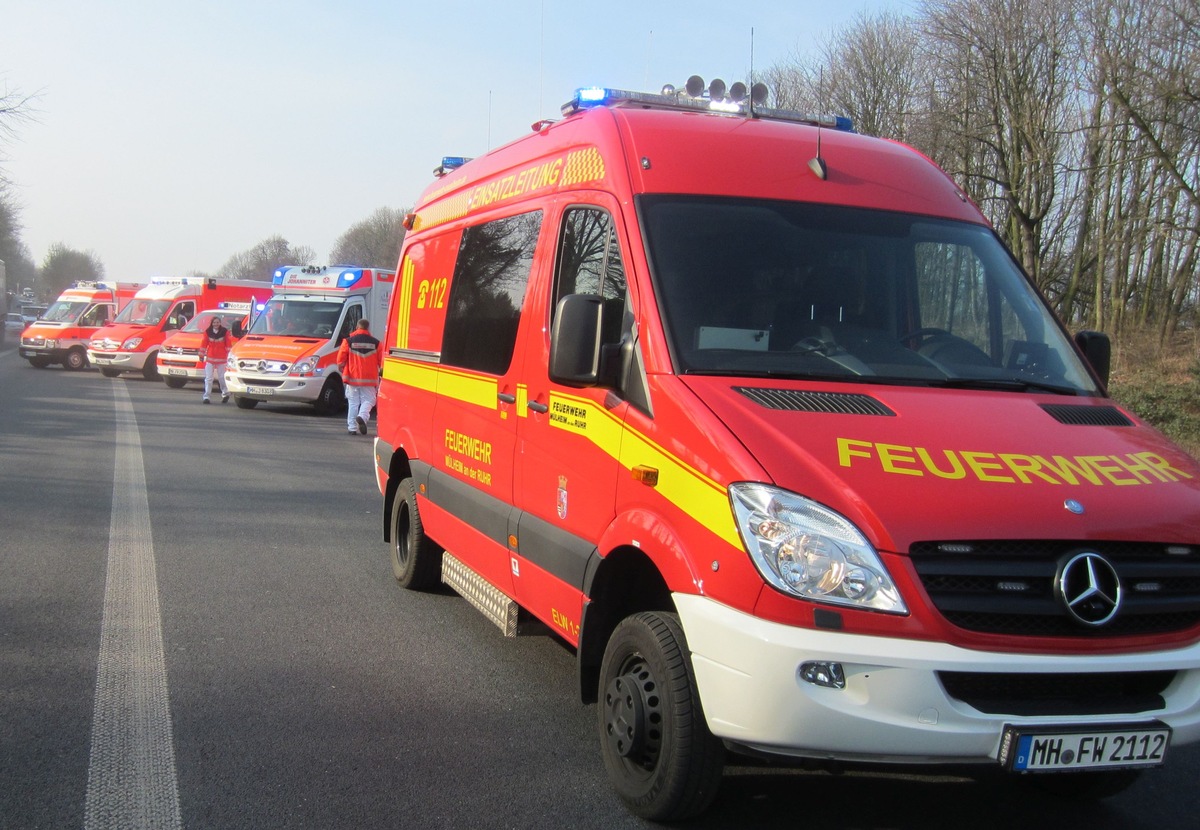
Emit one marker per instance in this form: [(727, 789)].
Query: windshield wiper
[(1006, 384)]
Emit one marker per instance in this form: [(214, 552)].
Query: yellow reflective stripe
[(706, 501), (440, 380), (405, 303), (472, 389), (421, 376)]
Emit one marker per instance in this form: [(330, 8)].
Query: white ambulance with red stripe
[(179, 357), (62, 332), (762, 419), (289, 354), (132, 341)]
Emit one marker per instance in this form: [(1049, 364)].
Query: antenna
[(751, 107)]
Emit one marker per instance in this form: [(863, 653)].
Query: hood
[(286, 349), (910, 464), (120, 332)]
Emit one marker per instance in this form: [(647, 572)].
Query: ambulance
[(290, 352), (132, 341), (179, 357), (62, 333), (762, 419)]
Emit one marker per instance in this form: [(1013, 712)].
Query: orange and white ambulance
[(290, 353), (179, 357), (62, 333), (132, 341), (760, 417)]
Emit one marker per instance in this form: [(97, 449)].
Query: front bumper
[(894, 708), (125, 361), (274, 387), (171, 366)]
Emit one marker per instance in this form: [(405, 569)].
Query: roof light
[(448, 164), (349, 277), (737, 99)]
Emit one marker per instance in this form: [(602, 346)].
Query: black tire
[(110, 373), (39, 362), (416, 559), (1086, 786), (660, 756), (75, 360), (175, 383), (150, 367), (245, 403), (332, 397)]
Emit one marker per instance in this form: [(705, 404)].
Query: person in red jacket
[(358, 359), (214, 351)]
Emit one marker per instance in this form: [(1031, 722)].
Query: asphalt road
[(292, 684)]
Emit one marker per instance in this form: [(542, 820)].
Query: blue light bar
[(348, 278), (453, 162), (591, 95)]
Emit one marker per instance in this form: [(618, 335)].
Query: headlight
[(51, 344), (809, 551), (304, 367), (132, 343)]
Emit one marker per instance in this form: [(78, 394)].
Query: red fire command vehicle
[(760, 416), (61, 334), (290, 352), (179, 357), (132, 341)]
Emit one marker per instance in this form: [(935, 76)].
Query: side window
[(353, 314), (487, 292), (589, 262), (953, 291), (180, 315)]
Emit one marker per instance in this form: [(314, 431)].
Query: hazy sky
[(169, 135)]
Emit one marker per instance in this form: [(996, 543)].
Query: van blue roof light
[(450, 163), (349, 277), (737, 99)]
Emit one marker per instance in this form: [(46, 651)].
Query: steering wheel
[(943, 347), (921, 334)]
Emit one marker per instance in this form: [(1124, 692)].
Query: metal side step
[(489, 600)]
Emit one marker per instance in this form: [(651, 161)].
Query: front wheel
[(416, 559), (332, 397), (76, 359), (660, 756), (150, 367), (245, 403), (110, 373), (175, 382), (39, 362)]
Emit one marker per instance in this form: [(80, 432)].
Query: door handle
[(539, 408)]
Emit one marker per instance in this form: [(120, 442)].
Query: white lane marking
[(131, 769)]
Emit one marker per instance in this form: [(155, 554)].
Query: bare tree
[(63, 266), (375, 241), (260, 262)]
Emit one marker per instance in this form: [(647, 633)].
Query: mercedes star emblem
[(1089, 588)]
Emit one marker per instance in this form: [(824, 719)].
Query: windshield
[(143, 312), (759, 288), (62, 311), (200, 321), (298, 318)]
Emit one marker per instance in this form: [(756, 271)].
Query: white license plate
[(177, 372), (259, 390), (1068, 748)]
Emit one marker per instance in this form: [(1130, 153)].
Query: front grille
[(1008, 587), (1030, 695)]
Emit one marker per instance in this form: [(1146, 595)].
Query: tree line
[(1073, 124)]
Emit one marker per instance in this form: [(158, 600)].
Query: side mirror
[(1097, 348), (575, 340)]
